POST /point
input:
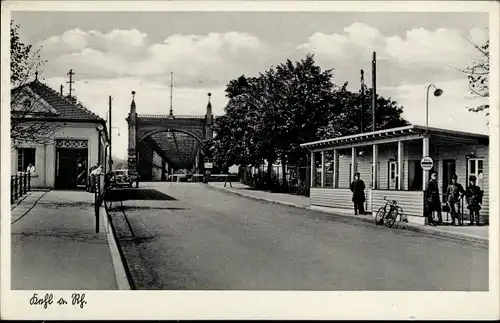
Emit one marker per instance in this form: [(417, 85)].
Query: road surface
[(187, 236)]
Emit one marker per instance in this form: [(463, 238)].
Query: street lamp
[(437, 92)]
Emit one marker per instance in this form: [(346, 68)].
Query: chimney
[(62, 89)]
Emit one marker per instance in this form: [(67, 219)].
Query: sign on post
[(426, 163), (209, 165)]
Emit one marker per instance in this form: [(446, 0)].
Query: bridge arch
[(167, 129)]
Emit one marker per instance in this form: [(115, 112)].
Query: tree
[(267, 117), (28, 114), (478, 75)]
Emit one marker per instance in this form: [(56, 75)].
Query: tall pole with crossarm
[(362, 98), (110, 131), (374, 89)]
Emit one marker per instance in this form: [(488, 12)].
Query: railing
[(99, 182), (20, 185)]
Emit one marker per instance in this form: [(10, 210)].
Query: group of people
[(454, 193)]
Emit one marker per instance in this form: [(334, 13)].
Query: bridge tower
[(132, 136), (209, 117)]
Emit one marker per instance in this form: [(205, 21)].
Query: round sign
[(426, 163)]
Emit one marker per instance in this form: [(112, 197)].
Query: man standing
[(94, 171), (454, 193), (432, 200), (474, 199), (358, 194)]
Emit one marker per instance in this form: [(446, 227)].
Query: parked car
[(121, 177)]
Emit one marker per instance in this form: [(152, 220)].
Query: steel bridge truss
[(178, 149)]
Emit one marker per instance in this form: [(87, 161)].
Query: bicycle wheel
[(391, 217), (379, 217)]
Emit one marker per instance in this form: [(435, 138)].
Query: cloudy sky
[(113, 53)]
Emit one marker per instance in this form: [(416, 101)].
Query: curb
[(258, 198), (403, 226), (122, 279)]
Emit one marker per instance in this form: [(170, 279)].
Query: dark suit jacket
[(358, 191)]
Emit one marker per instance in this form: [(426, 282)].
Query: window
[(475, 167), (25, 156), (393, 175)]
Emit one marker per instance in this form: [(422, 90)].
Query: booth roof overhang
[(438, 136)]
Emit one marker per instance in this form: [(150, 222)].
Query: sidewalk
[(473, 234), (55, 246)]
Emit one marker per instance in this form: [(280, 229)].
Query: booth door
[(393, 175), (449, 169), (71, 168)]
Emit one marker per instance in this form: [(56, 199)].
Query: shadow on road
[(123, 194)]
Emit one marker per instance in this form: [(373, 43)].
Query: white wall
[(45, 155)]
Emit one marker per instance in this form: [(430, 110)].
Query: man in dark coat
[(432, 200), (474, 196), (358, 194), (454, 194)]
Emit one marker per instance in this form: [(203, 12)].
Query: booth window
[(393, 175), (25, 156), (475, 167)]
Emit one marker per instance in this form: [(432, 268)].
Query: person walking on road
[(433, 201), (454, 194), (358, 194), (474, 196), (228, 179)]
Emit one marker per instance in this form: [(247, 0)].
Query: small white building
[(398, 174), (78, 142)]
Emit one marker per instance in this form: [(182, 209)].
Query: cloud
[(419, 48), (76, 40), (195, 59)]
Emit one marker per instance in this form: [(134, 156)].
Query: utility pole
[(374, 89), (362, 98), (71, 82), (110, 131), (171, 92)]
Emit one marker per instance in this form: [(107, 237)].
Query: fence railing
[(20, 185), (101, 184)]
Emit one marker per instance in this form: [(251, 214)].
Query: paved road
[(197, 238)]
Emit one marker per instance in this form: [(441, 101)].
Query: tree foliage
[(27, 112), (268, 116), (478, 75)]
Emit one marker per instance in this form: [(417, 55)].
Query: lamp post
[(437, 92)]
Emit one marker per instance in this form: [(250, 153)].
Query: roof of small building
[(62, 107), (397, 132)]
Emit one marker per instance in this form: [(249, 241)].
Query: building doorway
[(449, 169), (393, 175), (71, 164), (414, 175)]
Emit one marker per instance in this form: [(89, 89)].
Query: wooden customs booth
[(398, 174)]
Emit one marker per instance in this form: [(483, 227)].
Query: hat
[(454, 176), (356, 174), (472, 178)]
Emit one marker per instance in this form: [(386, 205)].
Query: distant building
[(78, 142)]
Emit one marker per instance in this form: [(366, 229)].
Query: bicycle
[(389, 217)]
